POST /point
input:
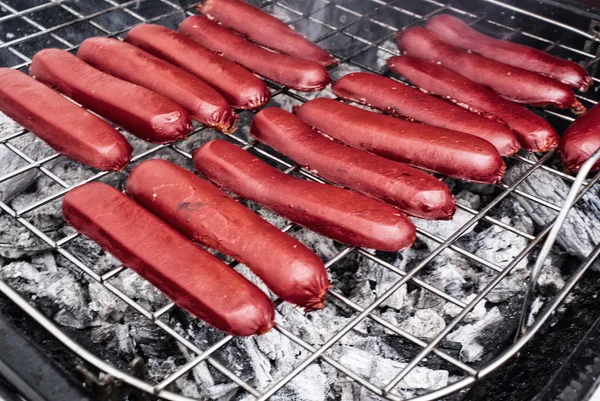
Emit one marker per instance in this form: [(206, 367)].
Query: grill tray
[(360, 30)]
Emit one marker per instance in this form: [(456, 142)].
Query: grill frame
[(471, 374)]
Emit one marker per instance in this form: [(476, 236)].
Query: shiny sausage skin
[(534, 133), (581, 140), (512, 83), (262, 28), (296, 73), (205, 214), (241, 88), (144, 113), (462, 35), (127, 62), (66, 127), (411, 190), (402, 100), (452, 153), (190, 276), (338, 213)]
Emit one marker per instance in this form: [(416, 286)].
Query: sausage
[(66, 127), (411, 190), (452, 153), (296, 73), (402, 100), (534, 133), (337, 213), (512, 83), (458, 33), (127, 62), (205, 214), (242, 89), (144, 113), (262, 28), (581, 140), (190, 276)]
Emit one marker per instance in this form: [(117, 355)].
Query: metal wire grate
[(363, 31)]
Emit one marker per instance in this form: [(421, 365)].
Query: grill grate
[(75, 21)]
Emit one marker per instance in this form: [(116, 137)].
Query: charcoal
[(380, 371), (16, 241), (425, 323), (56, 291), (581, 230), (30, 145), (468, 334)]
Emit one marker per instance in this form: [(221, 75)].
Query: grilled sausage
[(205, 214), (242, 89), (409, 189), (262, 28), (581, 140), (66, 127), (453, 153), (462, 35), (340, 214), (512, 83), (401, 100), (190, 276), (534, 133), (296, 73), (127, 62), (144, 113)]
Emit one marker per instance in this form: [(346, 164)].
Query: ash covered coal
[(372, 351)]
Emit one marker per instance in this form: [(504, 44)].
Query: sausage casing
[(190, 276), (338, 213), (144, 113), (453, 153), (410, 190), (241, 88), (296, 73), (66, 127), (205, 214), (127, 62)]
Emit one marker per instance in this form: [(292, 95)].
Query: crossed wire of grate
[(363, 45)]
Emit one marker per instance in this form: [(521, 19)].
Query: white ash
[(581, 229), (10, 161), (468, 335), (380, 371)]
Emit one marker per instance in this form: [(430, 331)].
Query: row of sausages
[(152, 84), (448, 58)]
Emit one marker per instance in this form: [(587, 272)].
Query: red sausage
[(205, 214), (409, 189), (581, 140), (264, 29), (296, 73), (242, 89), (340, 214), (510, 82), (190, 276), (462, 35), (453, 153), (144, 113), (402, 100), (66, 127), (534, 133), (127, 62)]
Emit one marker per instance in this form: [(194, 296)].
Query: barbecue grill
[(360, 35)]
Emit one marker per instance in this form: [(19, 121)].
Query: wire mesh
[(357, 33)]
